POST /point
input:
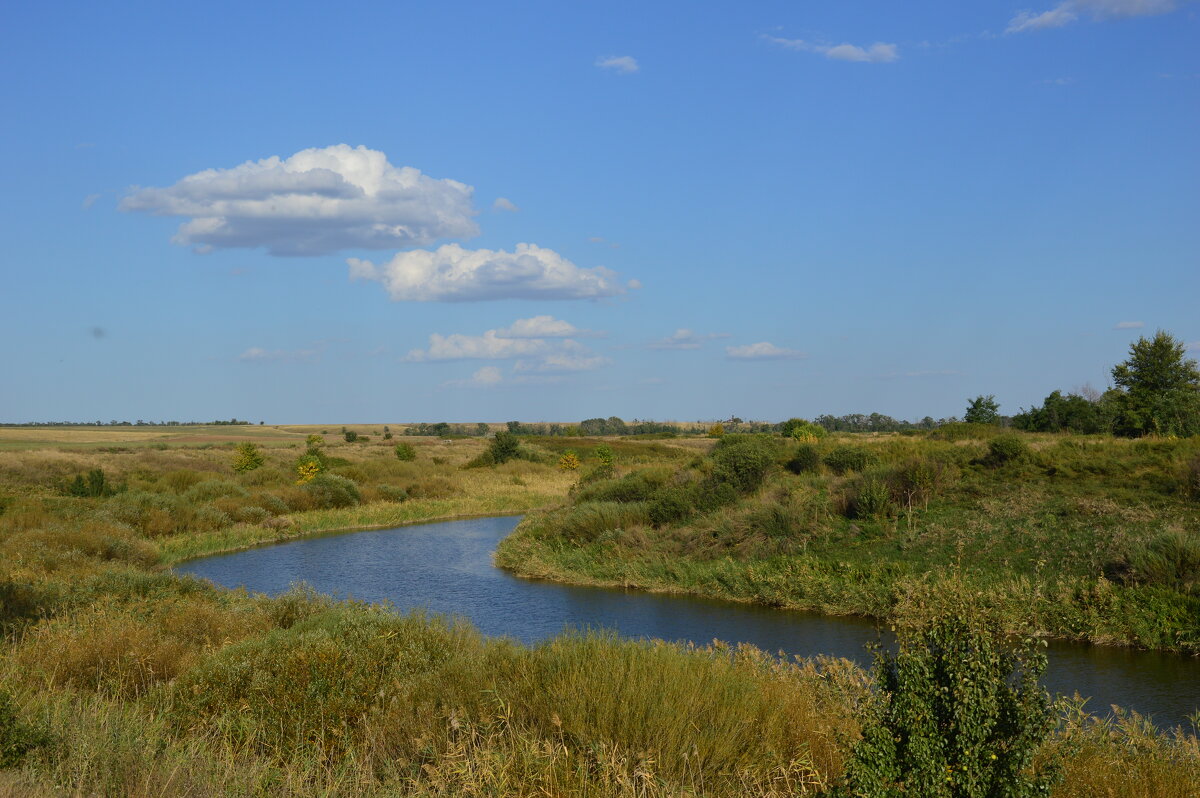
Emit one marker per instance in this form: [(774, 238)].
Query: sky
[(370, 212)]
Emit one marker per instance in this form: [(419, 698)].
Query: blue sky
[(551, 211)]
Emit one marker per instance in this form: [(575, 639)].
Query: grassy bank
[(1087, 539), (118, 678)]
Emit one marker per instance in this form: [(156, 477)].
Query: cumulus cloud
[(544, 327), (489, 346), (505, 204), (684, 338), (315, 202), (1129, 325), (570, 356), (1067, 12), (454, 274), (762, 351), (621, 64), (877, 53), (551, 351)]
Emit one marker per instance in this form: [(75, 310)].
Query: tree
[(1159, 389), (504, 447), (569, 461), (350, 435), (405, 451), (982, 410), (247, 457)]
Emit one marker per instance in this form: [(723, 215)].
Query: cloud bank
[(315, 202), (454, 274), (877, 53)]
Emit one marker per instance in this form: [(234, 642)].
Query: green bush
[(806, 458), (671, 504), (391, 493), (871, 498), (16, 738), (247, 457), (330, 491), (405, 452), (958, 714), (1006, 449), (93, 484), (504, 447), (848, 458), (350, 435), (639, 486), (743, 461)]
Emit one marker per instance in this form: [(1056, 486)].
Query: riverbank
[(1090, 541)]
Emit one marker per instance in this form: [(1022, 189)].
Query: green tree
[(405, 451), (958, 714), (1159, 389), (982, 410), (504, 447), (247, 457), (350, 435)]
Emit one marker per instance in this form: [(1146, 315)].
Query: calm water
[(447, 568)]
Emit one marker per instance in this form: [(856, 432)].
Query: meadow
[(120, 678)]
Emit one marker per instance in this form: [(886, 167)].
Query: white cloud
[(877, 53), (1129, 325), (90, 200), (544, 327), (488, 346), (454, 274), (315, 202), (762, 351), (571, 356), (1067, 12), (684, 338), (488, 375), (258, 354), (621, 64), (543, 354), (505, 204)]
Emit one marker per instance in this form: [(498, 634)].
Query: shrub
[(959, 714), (211, 489), (93, 484), (806, 458), (405, 452), (639, 486), (350, 435), (870, 499), (743, 461), (848, 458), (330, 491), (569, 461), (308, 467), (391, 493), (504, 447), (16, 738), (247, 457), (314, 440), (1006, 449), (671, 504), (1190, 482), (802, 430)]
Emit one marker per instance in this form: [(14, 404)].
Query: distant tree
[(1058, 413), (441, 429), (1159, 389), (247, 457), (982, 410), (482, 429), (350, 435), (405, 451), (802, 430), (716, 430)]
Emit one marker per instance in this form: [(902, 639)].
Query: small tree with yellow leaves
[(569, 461)]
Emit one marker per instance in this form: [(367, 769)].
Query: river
[(446, 567)]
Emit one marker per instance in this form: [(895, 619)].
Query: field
[(121, 679)]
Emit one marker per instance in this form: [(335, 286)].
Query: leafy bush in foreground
[(959, 715), (330, 490)]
